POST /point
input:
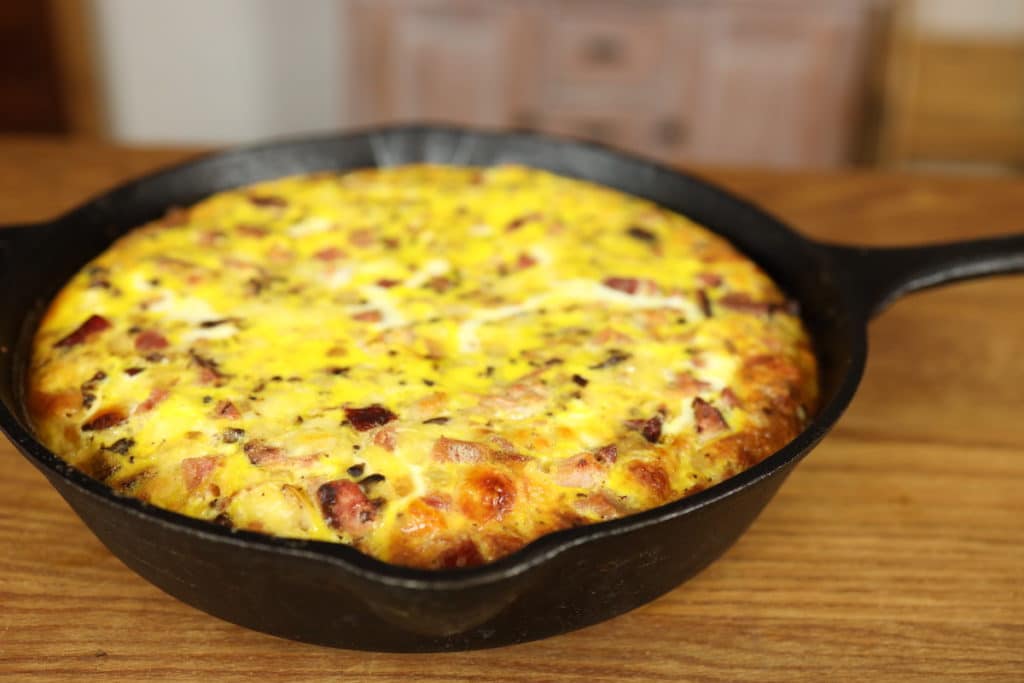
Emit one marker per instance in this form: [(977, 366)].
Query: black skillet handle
[(882, 275), (9, 237)]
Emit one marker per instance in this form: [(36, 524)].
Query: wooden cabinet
[(780, 85), (611, 72), (771, 82), (30, 88), (453, 61), (48, 82), (954, 96)]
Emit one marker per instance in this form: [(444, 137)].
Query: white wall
[(220, 71), (970, 18)]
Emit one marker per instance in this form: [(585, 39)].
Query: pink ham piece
[(90, 328), (150, 340), (250, 230), (709, 420), (371, 316), (520, 398), (345, 507), (209, 370), (519, 222), (196, 470), (362, 238), (261, 453), (525, 261), (386, 438), (156, 396), (585, 470), (650, 428), (688, 385), (729, 398), (226, 410), (709, 279), (330, 254), (439, 284), (631, 285), (454, 450)]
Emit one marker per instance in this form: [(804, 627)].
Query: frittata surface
[(433, 364)]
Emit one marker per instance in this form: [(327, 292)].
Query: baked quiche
[(433, 364)]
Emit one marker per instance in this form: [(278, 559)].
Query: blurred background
[(932, 84)]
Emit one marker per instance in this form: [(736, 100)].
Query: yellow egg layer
[(434, 364)]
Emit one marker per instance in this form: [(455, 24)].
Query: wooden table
[(894, 552)]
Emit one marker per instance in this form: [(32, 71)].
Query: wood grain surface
[(895, 552)]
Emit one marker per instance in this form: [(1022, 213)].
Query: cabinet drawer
[(612, 43), (743, 81)]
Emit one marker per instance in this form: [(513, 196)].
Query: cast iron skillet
[(333, 595)]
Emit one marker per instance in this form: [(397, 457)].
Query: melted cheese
[(434, 364)]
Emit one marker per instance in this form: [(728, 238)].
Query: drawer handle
[(528, 120), (601, 131), (603, 50), (670, 132)]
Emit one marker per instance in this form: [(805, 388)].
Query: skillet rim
[(538, 551)]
